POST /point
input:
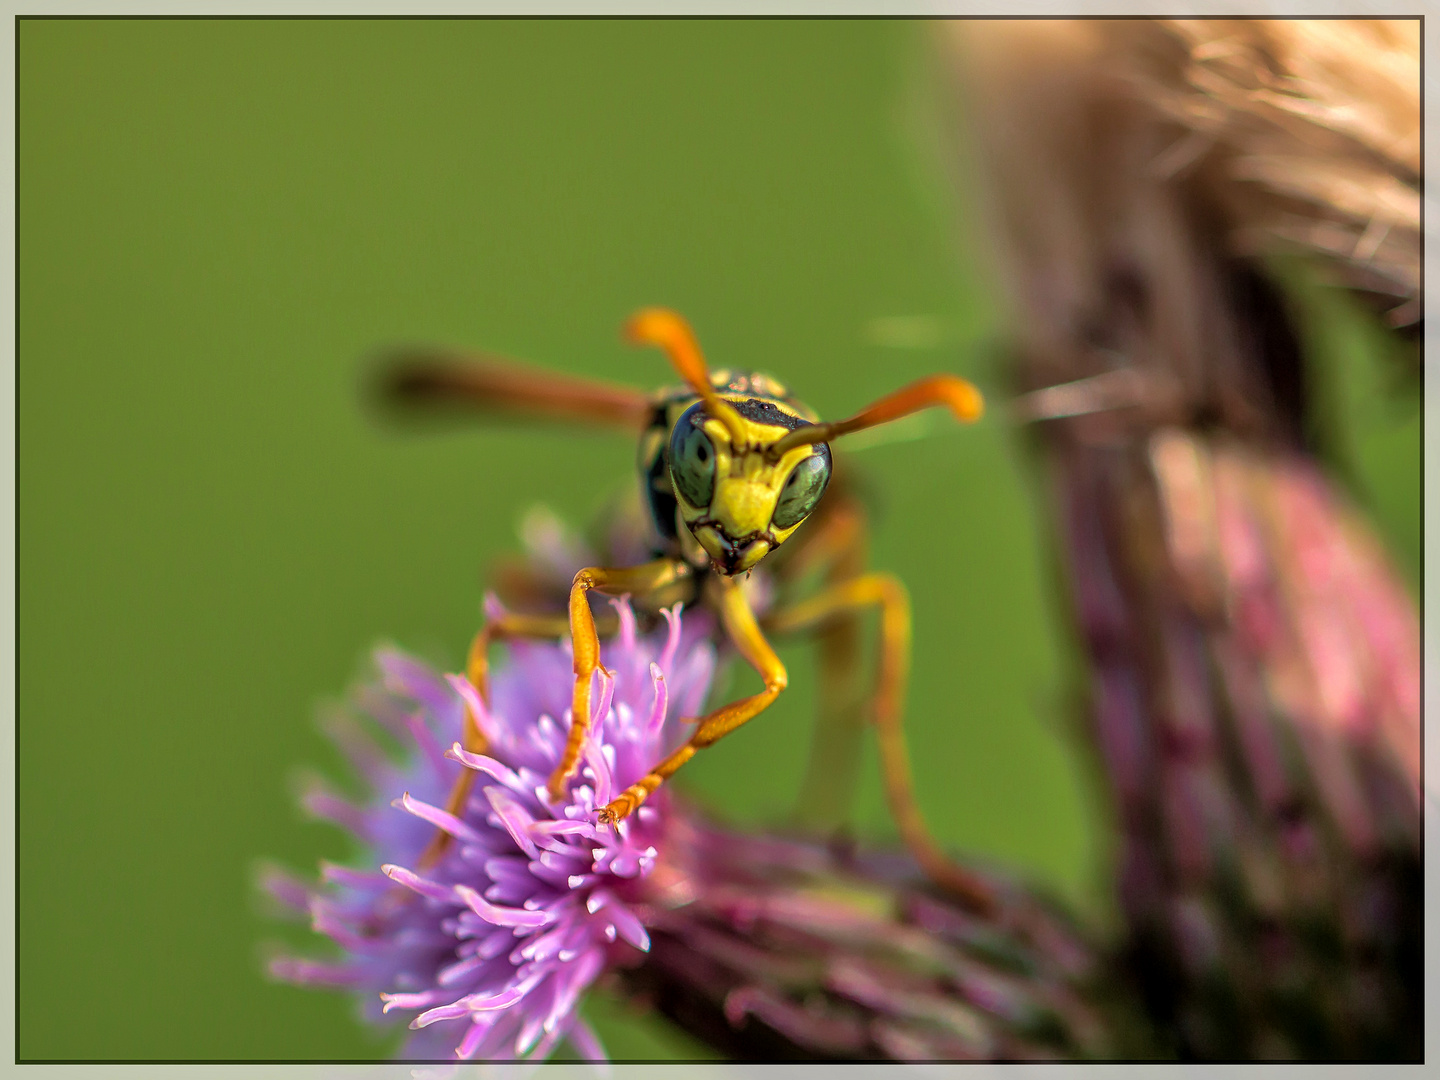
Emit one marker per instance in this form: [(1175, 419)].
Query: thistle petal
[(493, 928)]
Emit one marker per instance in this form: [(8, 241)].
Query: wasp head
[(739, 497)]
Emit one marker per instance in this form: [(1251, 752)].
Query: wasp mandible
[(730, 466)]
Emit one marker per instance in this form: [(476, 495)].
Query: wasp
[(730, 467)]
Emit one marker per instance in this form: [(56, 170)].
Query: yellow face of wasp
[(739, 504)]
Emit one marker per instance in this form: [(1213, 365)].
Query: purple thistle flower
[(489, 949)]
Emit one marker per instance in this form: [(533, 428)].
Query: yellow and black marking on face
[(737, 503)]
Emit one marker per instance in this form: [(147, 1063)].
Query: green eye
[(802, 490), (692, 458)]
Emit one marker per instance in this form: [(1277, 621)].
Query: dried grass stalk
[(1254, 659)]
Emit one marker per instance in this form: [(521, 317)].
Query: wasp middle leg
[(832, 547), (841, 601)]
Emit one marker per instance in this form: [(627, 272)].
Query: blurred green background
[(217, 220)]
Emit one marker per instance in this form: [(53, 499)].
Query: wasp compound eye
[(802, 490), (692, 457)]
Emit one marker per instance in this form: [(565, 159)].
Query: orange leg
[(645, 578), (886, 592), (833, 545), (477, 670), (740, 625)]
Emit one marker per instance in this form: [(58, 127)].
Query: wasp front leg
[(744, 632), (638, 580), (839, 602)]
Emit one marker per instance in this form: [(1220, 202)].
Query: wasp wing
[(434, 380)]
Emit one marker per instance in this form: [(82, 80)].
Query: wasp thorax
[(738, 502)]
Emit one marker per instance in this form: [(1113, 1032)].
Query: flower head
[(781, 948), (489, 948)]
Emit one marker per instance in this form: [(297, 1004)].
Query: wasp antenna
[(958, 395), (669, 331)]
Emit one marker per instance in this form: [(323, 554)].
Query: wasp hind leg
[(841, 601)]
